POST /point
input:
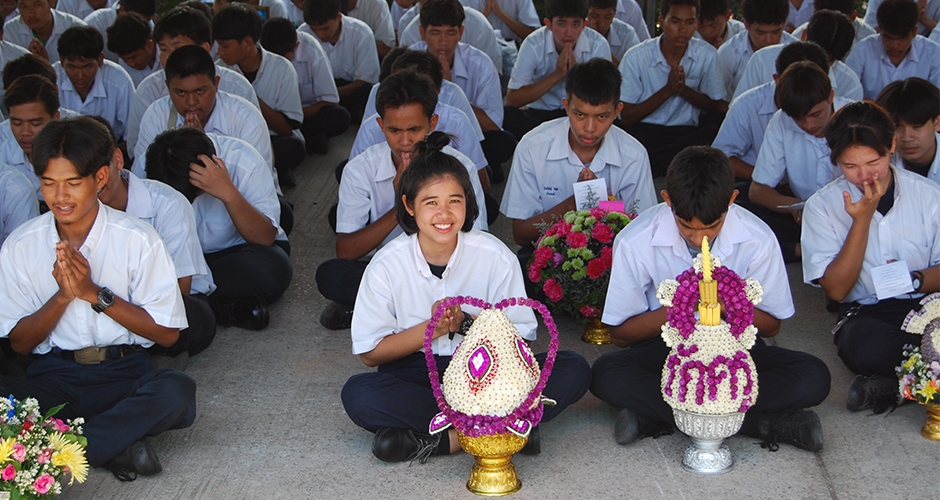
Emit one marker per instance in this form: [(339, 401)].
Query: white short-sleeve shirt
[(79, 8), (933, 12), (732, 28), (154, 87), (12, 154), (801, 14), (645, 72), (742, 131), (375, 13), (138, 75), (170, 213), (873, 67), (762, 67), (789, 152), (354, 56), (314, 74), (398, 289), (734, 55), (231, 116), (650, 250), (629, 12), (523, 11), (18, 202), (933, 173), (544, 168), (477, 33), (124, 254), (450, 120), (474, 74), (18, 33), (910, 231), (621, 38), (538, 58), (276, 84), (366, 191), (451, 94), (110, 95)]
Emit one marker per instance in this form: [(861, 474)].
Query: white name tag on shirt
[(589, 194), (892, 279)]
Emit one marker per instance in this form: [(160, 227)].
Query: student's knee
[(358, 398), (814, 381), (176, 398)]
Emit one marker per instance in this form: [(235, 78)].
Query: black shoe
[(336, 316), (318, 144), (252, 313), (800, 428), (877, 392), (629, 427), (534, 445), (137, 459), (399, 445)]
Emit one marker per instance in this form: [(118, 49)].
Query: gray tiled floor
[(271, 424)]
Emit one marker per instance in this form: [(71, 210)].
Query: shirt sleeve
[(631, 88), (630, 283), (771, 164), (642, 190), (488, 95), (375, 316), (288, 92), (19, 301), (383, 30), (523, 73), (144, 96), (369, 134), (522, 198), (712, 84), (355, 195), (19, 203), (153, 286), (150, 127), (819, 239), (467, 141), (366, 60), (733, 139), (122, 101)]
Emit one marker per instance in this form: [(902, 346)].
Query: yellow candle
[(706, 260)]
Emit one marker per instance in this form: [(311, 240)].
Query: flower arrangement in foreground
[(36, 450), (709, 370), (572, 260), (920, 371), (493, 383)]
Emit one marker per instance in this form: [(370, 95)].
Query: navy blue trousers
[(399, 394), (121, 400), (632, 378)]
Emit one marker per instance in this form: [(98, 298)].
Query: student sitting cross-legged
[(85, 290), (660, 244), (440, 255)]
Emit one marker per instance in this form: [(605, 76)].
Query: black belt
[(95, 355)]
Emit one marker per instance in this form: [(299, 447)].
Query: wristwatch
[(464, 326), (917, 280), (105, 300)]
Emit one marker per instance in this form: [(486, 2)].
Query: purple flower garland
[(739, 311), (485, 425)]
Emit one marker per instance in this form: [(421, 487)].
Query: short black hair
[(32, 88), (430, 164), (596, 81), (236, 21), (665, 5), (80, 42), (385, 68), (833, 31), (846, 7), (713, 8), (801, 51), (201, 7), (184, 21), (802, 86), (28, 64), (913, 100), (317, 12), (423, 62), (602, 4), (441, 13), (771, 12), (859, 124), (406, 87), (897, 17), (278, 36), (566, 8), (129, 33), (81, 140), (170, 154), (700, 183), (106, 124), (189, 60), (146, 8)]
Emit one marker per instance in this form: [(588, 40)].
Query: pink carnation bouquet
[(572, 260)]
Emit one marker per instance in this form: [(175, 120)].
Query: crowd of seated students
[(138, 148)]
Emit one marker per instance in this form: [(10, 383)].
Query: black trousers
[(784, 227), (121, 400), (250, 270), (498, 147), (354, 103), (201, 329), (631, 378), (331, 120), (399, 394), (288, 151), (519, 122), (663, 143), (287, 215), (338, 279), (871, 342)]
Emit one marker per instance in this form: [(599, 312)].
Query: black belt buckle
[(848, 315)]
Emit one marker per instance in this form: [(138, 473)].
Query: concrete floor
[(271, 424)]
